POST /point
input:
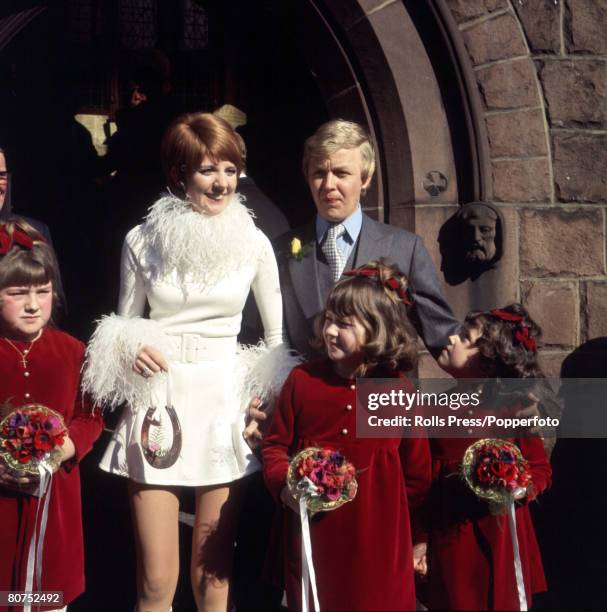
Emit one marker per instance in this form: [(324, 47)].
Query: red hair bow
[(391, 283), (506, 316), (18, 237), (368, 272), (521, 335)]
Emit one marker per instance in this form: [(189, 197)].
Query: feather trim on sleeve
[(108, 374), (264, 370)]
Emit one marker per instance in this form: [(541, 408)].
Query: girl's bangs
[(342, 301), (24, 273)]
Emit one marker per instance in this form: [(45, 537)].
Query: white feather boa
[(263, 370), (108, 374), (199, 248)]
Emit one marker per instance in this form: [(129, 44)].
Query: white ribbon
[(158, 408), (307, 489), (518, 568), (34, 554)]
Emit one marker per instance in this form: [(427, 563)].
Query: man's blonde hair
[(340, 134)]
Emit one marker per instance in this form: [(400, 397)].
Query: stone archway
[(528, 81), (371, 66)]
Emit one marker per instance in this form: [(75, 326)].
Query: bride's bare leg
[(155, 513), (217, 510)]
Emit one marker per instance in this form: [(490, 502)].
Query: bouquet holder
[(496, 472), (30, 441), (320, 480)]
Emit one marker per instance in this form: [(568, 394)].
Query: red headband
[(522, 334), (18, 237), (392, 283)]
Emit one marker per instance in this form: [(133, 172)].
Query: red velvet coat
[(470, 551), (362, 551), (54, 364)]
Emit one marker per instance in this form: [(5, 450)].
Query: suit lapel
[(304, 275), (372, 244)]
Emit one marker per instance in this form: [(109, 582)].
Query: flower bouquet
[(31, 436), (496, 471), (323, 477)]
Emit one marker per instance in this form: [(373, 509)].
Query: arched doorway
[(396, 67), (289, 66)]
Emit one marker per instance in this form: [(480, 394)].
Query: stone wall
[(541, 69)]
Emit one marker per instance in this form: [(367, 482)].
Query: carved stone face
[(479, 224)]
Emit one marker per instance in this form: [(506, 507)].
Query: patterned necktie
[(335, 258)]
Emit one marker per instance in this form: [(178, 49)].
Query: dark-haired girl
[(470, 556), (40, 365), (362, 552)]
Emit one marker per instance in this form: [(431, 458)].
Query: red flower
[(23, 455), (498, 469), (482, 474), (42, 441), (333, 493), (13, 445), (22, 431)]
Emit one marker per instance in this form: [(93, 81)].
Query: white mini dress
[(196, 296)]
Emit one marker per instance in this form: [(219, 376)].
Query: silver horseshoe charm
[(161, 459)]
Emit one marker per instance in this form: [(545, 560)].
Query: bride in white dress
[(185, 380)]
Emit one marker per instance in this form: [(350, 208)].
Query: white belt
[(192, 348)]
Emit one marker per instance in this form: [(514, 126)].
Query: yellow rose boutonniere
[(298, 250)]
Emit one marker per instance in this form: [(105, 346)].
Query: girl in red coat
[(362, 552), (470, 558), (40, 365)]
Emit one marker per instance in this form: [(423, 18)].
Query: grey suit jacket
[(303, 298)]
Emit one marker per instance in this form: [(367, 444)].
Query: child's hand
[(150, 361), (288, 500), (68, 450), (519, 493), (28, 484), (24, 484), (420, 563)]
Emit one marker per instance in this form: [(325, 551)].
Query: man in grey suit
[(338, 163)]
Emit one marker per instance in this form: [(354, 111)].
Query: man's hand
[(256, 426), (255, 413)]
